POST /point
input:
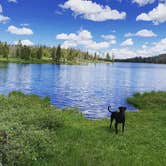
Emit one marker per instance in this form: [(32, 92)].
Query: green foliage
[(53, 53), (57, 56), (149, 101), (30, 123), (42, 54), (108, 57), (41, 135), (95, 56), (25, 52), (18, 49), (4, 50), (161, 59)]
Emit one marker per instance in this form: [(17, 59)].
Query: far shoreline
[(50, 61)]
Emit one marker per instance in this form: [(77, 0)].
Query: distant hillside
[(161, 59)]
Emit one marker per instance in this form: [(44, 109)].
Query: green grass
[(46, 60), (42, 135)]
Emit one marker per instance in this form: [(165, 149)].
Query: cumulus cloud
[(3, 19), (145, 33), (92, 11), (82, 38), (127, 42), (157, 15), (24, 24), (143, 2), (146, 50), (153, 49), (123, 53), (25, 42), (160, 47), (19, 31), (14, 1), (142, 33), (129, 34), (110, 38)]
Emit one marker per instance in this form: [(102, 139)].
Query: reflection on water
[(90, 88)]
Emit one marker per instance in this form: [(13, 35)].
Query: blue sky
[(125, 28)]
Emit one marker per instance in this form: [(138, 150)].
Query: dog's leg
[(111, 122), (123, 126), (116, 127)]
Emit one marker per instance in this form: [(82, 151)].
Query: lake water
[(91, 88)]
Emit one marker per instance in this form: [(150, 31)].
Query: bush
[(30, 123)]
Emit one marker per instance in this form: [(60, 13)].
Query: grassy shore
[(42, 135), (48, 61)]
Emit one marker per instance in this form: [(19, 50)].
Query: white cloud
[(82, 35), (127, 42), (145, 50), (129, 34), (142, 33), (157, 15), (97, 46), (24, 24), (92, 11), (143, 2), (4, 19), (155, 48), (160, 46), (144, 46), (123, 53), (19, 31), (110, 38), (25, 42), (112, 42), (82, 38), (145, 33), (14, 1)]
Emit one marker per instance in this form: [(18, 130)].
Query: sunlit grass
[(42, 135), (47, 60)]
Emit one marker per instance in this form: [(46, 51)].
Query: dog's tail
[(109, 108)]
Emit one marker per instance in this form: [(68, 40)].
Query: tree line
[(160, 59), (56, 54)]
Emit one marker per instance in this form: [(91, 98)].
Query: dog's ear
[(120, 108), (124, 108)]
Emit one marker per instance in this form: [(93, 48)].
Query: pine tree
[(25, 52), (58, 54), (18, 49), (1, 48), (40, 53), (53, 54), (113, 57), (86, 56), (95, 56), (5, 50), (108, 57)]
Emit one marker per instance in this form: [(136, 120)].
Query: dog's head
[(122, 109)]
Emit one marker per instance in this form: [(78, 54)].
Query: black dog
[(119, 118)]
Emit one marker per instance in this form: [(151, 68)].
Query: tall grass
[(42, 135)]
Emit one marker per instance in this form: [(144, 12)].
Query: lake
[(91, 87)]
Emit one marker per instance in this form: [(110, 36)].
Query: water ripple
[(91, 88)]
